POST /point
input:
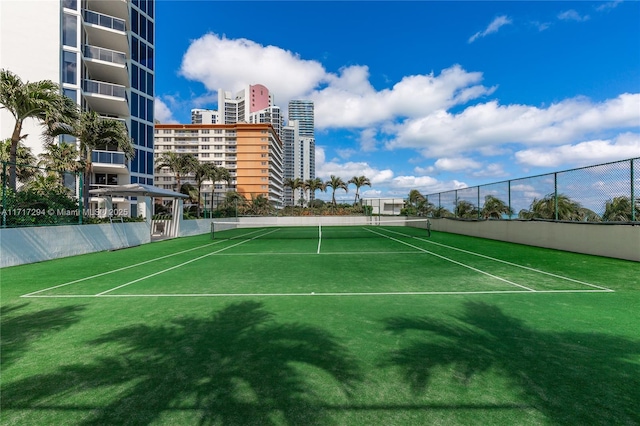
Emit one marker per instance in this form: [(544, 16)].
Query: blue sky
[(420, 95)]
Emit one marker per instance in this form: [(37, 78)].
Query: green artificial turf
[(398, 331)]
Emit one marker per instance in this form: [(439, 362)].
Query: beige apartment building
[(252, 153)]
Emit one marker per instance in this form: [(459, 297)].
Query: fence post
[(478, 208), (555, 191), (455, 204), (4, 194), (80, 199), (633, 195), (509, 196)]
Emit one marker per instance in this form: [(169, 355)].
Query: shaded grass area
[(465, 359)]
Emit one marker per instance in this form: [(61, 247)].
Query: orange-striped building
[(253, 154)]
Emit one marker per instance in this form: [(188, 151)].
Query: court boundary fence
[(607, 192)]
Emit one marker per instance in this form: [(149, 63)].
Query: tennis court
[(322, 325), (303, 261)]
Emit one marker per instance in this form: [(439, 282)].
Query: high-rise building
[(204, 116), (101, 53), (253, 104), (299, 142), (252, 153)]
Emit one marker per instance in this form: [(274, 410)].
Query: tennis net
[(370, 228)]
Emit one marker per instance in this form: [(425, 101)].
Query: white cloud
[(572, 15), (608, 5), (347, 170), (231, 64), (161, 112), (624, 146), (493, 170), (345, 153), (342, 99), (493, 27), (492, 125), (456, 164), (368, 141), (338, 105), (424, 184)]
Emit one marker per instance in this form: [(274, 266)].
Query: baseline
[(403, 293)]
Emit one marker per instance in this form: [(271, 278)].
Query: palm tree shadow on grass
[(236, 367), (572, 378), (18, 330)]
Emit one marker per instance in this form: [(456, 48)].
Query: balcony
[(106, 98), (106, 64), (106, 31), (108, 161), (117, 8)]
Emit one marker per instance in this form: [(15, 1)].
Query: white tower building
[(101, 53)]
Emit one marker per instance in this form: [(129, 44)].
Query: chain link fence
[(40, 197), (607, 192)]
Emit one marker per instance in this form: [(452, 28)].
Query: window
[(204, 155), (69, 66), (205, 131), (218, 155), (70, 4), (106, 179), (205, 146), (205, 139), (70, 30), (166, 131)]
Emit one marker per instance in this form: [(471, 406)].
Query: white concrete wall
[(28, 245), (618, 241), (29, 47), (195, 227)]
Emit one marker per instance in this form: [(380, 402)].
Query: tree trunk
[(15, 140)]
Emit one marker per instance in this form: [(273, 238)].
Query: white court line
[(319, 238), (396, 293), (452, 261), (120, 269), (510, 263), (333, 253), (181, 264)]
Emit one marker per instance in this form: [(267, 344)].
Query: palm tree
[(494, 208), (619, 210), (313, 185), (233, 202), (25, 160), (94, 132), (179, 164), (294, 184), (466, 210), (224, 175), (260, 205), (40, 100), (201, 173), (417, 204), (334, 183), (60, 158), (359, 181), (558, 207)]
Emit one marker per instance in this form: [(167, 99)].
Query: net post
[(213, 230), (428, 228)]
